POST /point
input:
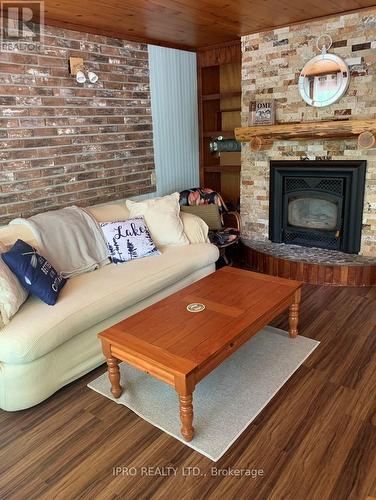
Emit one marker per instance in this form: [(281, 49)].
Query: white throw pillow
[(12, 294), (162, 218), (128, 240)]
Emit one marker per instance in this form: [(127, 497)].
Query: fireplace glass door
[(313, 213)]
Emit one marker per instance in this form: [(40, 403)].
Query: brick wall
[(63, 143), (271, 65)]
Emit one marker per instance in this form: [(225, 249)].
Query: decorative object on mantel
[(316, 158), (260, 144), (77, 68), (366, 140), (263, 112), (333, 129), (325, 78), (222, 145)]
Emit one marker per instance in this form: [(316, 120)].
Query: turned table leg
[(294, 315), (186, 416), (114, 376)]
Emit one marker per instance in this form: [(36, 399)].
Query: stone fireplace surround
[(271, 65)]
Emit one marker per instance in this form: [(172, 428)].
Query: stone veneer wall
[(271, 65), (62, 142)]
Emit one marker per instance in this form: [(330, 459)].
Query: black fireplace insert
[(317, 203)]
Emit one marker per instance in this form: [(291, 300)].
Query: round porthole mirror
[(324, 79)]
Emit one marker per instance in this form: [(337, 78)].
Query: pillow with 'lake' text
[(128, 240)]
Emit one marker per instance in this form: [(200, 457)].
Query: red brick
[(65, 143)]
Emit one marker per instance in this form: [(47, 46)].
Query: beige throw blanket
[(70, 239)]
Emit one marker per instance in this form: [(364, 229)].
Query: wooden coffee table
[(181, 347)]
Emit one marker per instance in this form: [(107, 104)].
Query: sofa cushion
[(110, 211), (102, 213), (11, 233), (196, 230), (89, 298)]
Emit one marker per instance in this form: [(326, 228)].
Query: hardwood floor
[(315, 440)]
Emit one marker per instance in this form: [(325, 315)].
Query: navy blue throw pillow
[(34, 272)]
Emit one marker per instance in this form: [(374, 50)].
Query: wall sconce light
[(80, 77), (93, 77), (77, 68)]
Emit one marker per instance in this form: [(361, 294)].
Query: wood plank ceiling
[(190, 24)]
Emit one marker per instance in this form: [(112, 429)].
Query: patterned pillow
[(128, 240), (12, 294), (34, 272)]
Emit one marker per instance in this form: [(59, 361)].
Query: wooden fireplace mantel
[(309, 130)]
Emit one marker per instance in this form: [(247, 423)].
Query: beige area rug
[(226, 401)]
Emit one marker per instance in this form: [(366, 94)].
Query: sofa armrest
[(195, 228), (10, 233)]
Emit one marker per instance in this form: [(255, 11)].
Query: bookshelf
[(219, 94)]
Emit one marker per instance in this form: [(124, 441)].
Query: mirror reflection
[(324, 80)]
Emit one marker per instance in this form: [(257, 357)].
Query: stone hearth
[(317, 266), (310, 255)]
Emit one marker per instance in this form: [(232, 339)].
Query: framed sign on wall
[(263, 112)]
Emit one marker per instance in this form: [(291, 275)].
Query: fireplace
[(317, 203)]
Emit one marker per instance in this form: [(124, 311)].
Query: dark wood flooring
[(315, 440)]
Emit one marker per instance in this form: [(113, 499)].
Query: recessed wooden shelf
[(222, 168), (221, 95), (231, 110), (310, 130), (227, 134)]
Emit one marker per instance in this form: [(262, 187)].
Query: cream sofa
[(44, 348)]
